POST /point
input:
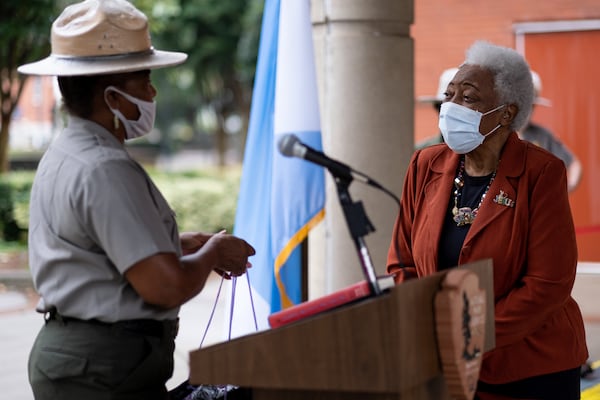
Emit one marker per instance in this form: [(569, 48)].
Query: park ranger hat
[(537, 88), (101, 37)]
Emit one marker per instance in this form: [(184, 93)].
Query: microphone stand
[(359, 226)]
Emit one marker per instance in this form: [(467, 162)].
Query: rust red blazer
[(539, 328)]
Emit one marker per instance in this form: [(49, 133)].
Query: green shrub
[(14, 205), (204, 200)]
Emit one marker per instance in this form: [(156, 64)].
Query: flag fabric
[(280, 198)]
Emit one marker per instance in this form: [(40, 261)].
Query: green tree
[(220, 36), (221, 39), (24, 37)]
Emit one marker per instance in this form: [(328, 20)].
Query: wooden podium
[(380, 348)]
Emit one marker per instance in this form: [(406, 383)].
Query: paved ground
[(19, 324)]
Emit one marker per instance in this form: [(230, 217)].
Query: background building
[(32, 122)]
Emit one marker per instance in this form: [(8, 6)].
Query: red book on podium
[(338, 298)]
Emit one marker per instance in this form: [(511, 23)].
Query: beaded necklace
[(465, 215)]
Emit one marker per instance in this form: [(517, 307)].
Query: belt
[(145, 327)]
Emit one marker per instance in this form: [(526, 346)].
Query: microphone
[(291, 146)]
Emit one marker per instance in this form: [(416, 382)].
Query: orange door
[(569, 66)]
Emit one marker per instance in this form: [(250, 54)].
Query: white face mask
[(144, 123), (460, 127)]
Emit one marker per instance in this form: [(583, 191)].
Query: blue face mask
[(460, 127)]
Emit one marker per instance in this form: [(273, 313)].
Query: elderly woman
[(105, 253), (487, 194)]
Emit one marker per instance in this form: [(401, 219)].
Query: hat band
[(110, 57)]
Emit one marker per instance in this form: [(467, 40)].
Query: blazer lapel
[(502, 195)]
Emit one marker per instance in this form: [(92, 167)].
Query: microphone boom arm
[(359, 226)]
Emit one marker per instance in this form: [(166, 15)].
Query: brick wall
[(37, 100)]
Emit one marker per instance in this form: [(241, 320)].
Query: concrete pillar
[(364, 60)]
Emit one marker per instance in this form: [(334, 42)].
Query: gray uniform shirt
[(542, 137), (94, 212)]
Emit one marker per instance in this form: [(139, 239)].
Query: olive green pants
[(79, 360)]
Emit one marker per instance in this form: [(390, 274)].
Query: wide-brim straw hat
[(445, 78), (447, 75), (537, 88), (97, 37)]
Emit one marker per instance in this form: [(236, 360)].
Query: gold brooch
[(503, 200)]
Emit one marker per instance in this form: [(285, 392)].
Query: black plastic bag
[(187, 391)]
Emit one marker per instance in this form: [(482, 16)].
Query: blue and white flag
[(280, 198)]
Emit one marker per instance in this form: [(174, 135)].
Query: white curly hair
[(512, 76)]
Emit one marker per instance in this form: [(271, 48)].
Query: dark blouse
[(453, 236)]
